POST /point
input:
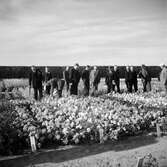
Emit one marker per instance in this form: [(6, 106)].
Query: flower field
[(78, 120), (153, 100)]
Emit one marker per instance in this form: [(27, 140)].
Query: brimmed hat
[(76, 64), (162, 65)]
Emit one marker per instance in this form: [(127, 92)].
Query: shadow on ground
[(61, 155)]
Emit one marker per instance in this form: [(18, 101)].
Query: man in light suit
[(94, 80), (66, 76), (163, 77)]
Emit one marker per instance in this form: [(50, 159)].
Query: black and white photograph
[(83, 83)]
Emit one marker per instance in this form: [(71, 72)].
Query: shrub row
[(23, 71)]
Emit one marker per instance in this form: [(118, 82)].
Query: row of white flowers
[(73, 120), (150, 99)]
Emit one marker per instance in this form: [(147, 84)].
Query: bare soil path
[(124, 152)]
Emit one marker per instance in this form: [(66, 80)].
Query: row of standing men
[(90, 78)]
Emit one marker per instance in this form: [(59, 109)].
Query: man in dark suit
[(109, 80), (66, 76), (145, 78), (74, 79), (127, 79), (116, 77), (133, 79), (35, 82), (86, 80), (48, 76)]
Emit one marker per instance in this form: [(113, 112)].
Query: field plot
[(127, 122)]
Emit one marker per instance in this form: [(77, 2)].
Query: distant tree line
[(57, 71)]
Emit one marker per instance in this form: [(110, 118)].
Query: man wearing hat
[(86, 80), (163, 77), (127, 79), (35, 82), (133, 79), (109, 79), (74, 79), (145, 78), (48, 76)]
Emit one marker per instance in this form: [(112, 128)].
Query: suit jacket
[(109, 78), (86, 76), (163, 76), (133, 76), (127, 76), (74, 76), (116, 76)]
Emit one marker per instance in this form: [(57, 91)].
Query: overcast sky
[(102, 32)]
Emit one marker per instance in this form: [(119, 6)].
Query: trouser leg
[(130, 87), (144, 86), (113, 87), (118, 87), (51, 90), (67, 86), (95, 89), (74, 89), (109, 89), (86, 89), (91, 89), (148, 86), (35, 94), (60, 93), (40, 93), (127, 85), (135, 86)]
